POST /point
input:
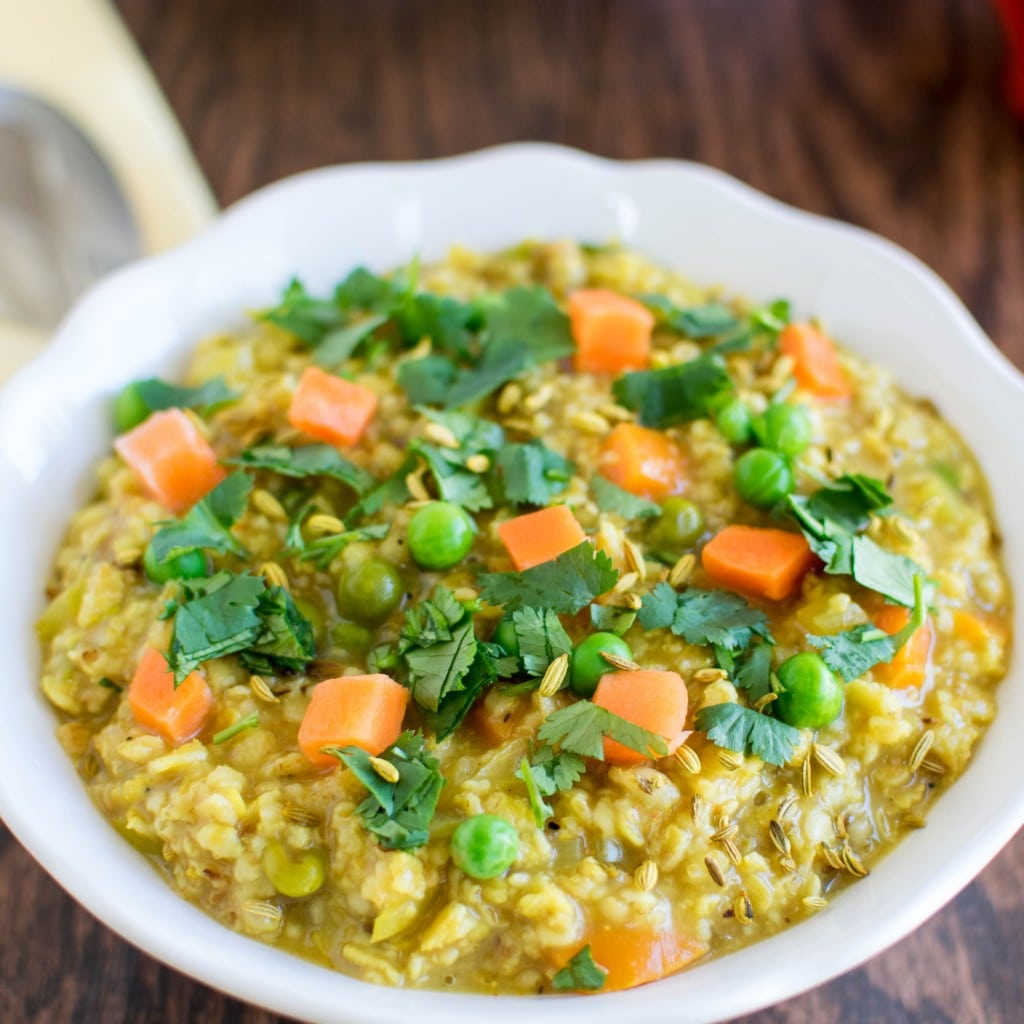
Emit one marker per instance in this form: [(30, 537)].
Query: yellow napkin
[(78, 55)]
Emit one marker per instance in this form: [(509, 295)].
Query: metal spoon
[(64, 221)]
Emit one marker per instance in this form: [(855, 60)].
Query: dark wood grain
[(884, 114)]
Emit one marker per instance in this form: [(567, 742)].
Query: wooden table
[(884, 114)]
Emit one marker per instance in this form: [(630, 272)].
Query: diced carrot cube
[(654, 700), (331, 408), (612, 332), (171, 459), (633, 954), (909, 666), (540, 536), (177, 713), (758, 561), (358, 711), (644, 462), (815, 363)]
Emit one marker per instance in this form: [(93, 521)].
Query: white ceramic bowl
[(54, 425)]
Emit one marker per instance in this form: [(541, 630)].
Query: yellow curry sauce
[(645, 866)]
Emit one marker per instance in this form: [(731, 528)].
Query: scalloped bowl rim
[(48, 452)]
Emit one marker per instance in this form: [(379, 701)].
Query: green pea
[(484, 846), (295, 878), (763, 477), (440, 535), (734, 422), (506, 637), (784, 428), (679, 527), (351, 638), (370, 591), (811, 696), (586, 666), (189, 565), (129, 408)]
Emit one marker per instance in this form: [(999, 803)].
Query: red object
[(1011, 13)]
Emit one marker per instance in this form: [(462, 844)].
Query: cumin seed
[(743, 908), (779, 837), (828, 759), (478, 463), (729, 760), (634, 558), (689, 759), (554, 676), (714, 870), (646, 876), (625, 582), (511, 395), (589, 422), (262, 691), (815, 902), (732, 851), (300, 816), (709, 675), (617, 661), (806, 776), (263, 501), (762, 702), (385, 769), (725, 831), (682, 570), (274, 574), (920, 752), (929, 764), (440, 434)]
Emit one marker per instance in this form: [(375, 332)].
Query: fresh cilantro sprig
[(705, 617), (855, 651), (207, 525), (321, 551), (580, 729), (237, 614), (564, 585), (581, 974), (702, 321), (454, 482), (156, 394), (606, 618), (542, 638), (846, 552), (533, 474), (549, 773), (611, 498), (748, 732), (446, 665), (310, 460), (397, 813), (675, 394)]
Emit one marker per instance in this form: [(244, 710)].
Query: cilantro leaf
[(847, 553), (675, 394), (580, 729), (529, 317), (770, 318), (363, 289), (748, 732), (611, 498), (849, 501), (427, 380), (392, 491), (501, 360), (454, 482), (564, 585), (608, 619), (307, 461), (542, 810), (217, 617), (397, 813), (338, 344), (474, 433), (533, 474), (753, 674), (694, 321), (704, 617), (443, 319), (231, 614), (285, 640), (658, 608), (542, 638), (439, 646), (207, 525), (581, 974), (299, 313), (854, 651), (549, 773), (158, 394)]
